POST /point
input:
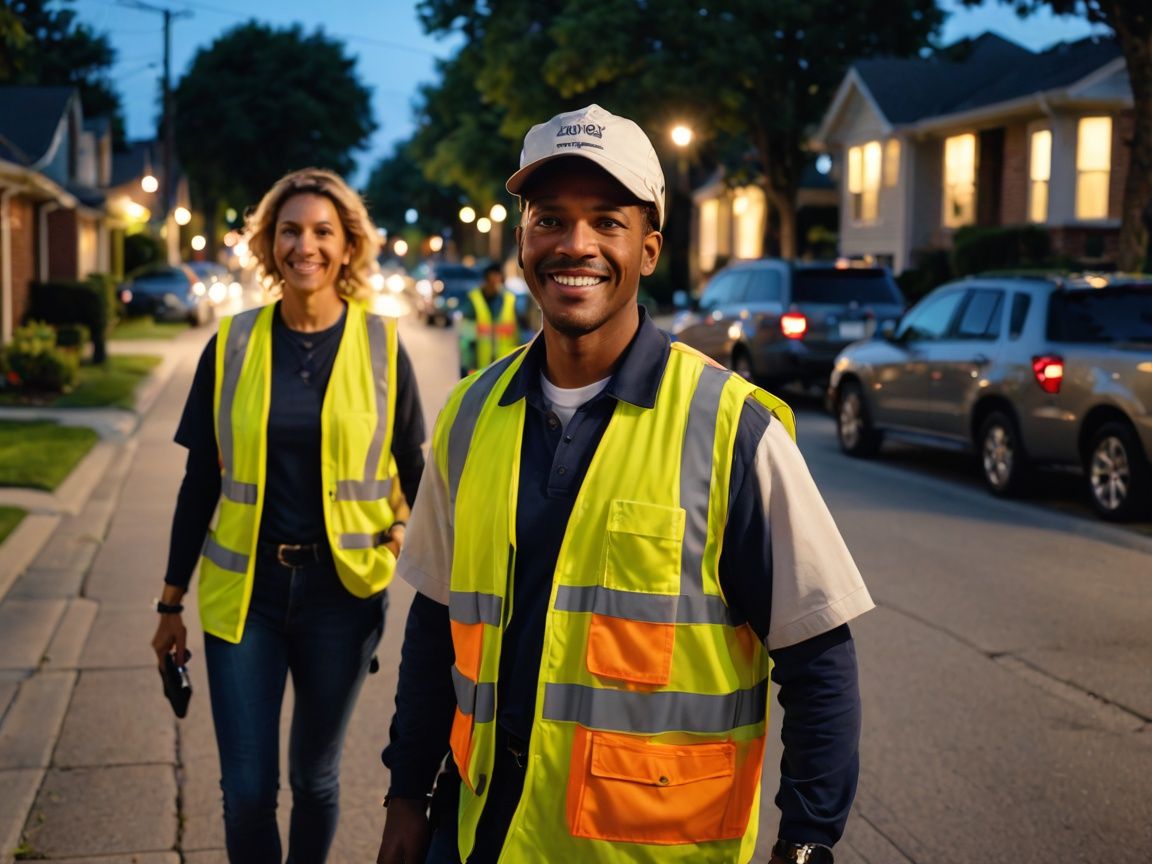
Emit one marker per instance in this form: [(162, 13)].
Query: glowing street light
[(400, 247), (182, 215), (483, 224), (198, 243), (467, 215), (498, 213), (149, 183), (681, 135), (436, 243)]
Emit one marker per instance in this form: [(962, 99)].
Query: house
[(984, 133), (53, 218)]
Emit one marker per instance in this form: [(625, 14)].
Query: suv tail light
[(793, 325), (1049, 372)]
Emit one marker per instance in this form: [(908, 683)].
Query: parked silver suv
[(1025, 371)]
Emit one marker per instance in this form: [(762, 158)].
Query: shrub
[(977, 249), (34, 361), (91, 303), (142, 249), (72, 336), (932, 269)]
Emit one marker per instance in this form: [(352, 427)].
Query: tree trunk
[(1134, 30), (782, 203)]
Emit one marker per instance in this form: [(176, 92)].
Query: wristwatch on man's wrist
[(802, 853)]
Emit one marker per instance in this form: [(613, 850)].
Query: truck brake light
[(793, 325), (1049, 372)]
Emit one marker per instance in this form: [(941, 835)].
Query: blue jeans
[(301, 620)]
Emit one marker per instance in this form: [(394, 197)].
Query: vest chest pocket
[(626, 788), (632, 631)]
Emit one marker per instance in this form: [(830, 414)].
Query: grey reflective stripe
[(241, 493), (696, 475), (475, 700), (470, 607), (223, 557), (378, 350), (363, 541), (653, 713), (636, 606), (363, 490), (239, 334), (460, 435)]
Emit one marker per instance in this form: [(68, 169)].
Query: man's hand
[(406, 832)]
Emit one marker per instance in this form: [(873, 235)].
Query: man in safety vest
[(490, 325), (616, 545)]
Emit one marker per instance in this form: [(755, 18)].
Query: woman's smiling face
[(310, 243)]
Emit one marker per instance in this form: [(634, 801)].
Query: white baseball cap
[(614, 143)]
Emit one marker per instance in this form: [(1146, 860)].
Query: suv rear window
[(864, 285), (1122, 314)]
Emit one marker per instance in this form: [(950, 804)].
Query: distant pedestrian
[(304, 424), (491, 323)]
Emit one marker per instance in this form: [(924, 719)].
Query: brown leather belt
[(294, 554)]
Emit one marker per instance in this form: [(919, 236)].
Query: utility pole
[(167, 138)]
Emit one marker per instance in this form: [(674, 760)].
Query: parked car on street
[(1023, 371), (440, 286), (776, 321), (167, 293), (216, 281)]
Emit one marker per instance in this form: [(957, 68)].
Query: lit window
[(1039, 173), (959, 180), (891, 162), (864, 181), (748, 212), (1093, 164), (709, 231)]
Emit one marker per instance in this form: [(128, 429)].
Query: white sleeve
[(816, 586), (426, 559)]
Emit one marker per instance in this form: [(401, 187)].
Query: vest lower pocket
[(639, 652), (627, 788)]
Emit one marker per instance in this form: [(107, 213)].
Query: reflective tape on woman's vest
[(494, 339), (358, 473), (648, 734)]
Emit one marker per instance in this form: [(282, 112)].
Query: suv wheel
[(1118, 476), (1002, 454), (854, 429)]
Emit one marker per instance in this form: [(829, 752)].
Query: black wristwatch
[(803, 853)]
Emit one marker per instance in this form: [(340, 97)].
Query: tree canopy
[(42, 43), (260, 102), (751, 77), (1131, 21)]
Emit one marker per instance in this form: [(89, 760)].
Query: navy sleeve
[(820, 695), (408, 427), (200, 489), (818, 677), (425, 701)]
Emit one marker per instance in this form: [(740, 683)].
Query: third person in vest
[(304, 426), (491, 324), (616, 545)]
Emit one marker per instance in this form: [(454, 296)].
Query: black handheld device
[(177, 684)]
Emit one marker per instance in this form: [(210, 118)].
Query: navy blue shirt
[(817, 677), (293, 494)]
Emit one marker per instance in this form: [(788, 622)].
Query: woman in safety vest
[(304, 427)]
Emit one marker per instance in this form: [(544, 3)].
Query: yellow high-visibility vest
[(652, 699), (357, 470), (494, 339)]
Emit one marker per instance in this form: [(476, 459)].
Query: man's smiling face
[(584, 243)]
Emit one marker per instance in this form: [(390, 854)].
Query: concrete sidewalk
[(93, 765), (86, 752)]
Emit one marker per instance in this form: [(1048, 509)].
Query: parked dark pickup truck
[(1025, 371)]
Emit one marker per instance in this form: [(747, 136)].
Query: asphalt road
[(1005, 674)]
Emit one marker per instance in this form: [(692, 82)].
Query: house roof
[(977, 73), (131, 163), (29, 118)]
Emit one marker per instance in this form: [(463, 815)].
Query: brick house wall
[(1122, 129), (62, 263), (1014, 177)]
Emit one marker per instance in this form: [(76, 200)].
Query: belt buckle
[(286, 547)]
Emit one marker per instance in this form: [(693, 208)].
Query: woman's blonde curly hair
[(361, 234)]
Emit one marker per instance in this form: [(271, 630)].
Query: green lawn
[(39, 454), (9, 518), (144, 327), (112, 385)]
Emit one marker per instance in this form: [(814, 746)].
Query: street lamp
[(467, 215), (679, 227), (182, 216), (681, 136), (497, 214)]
